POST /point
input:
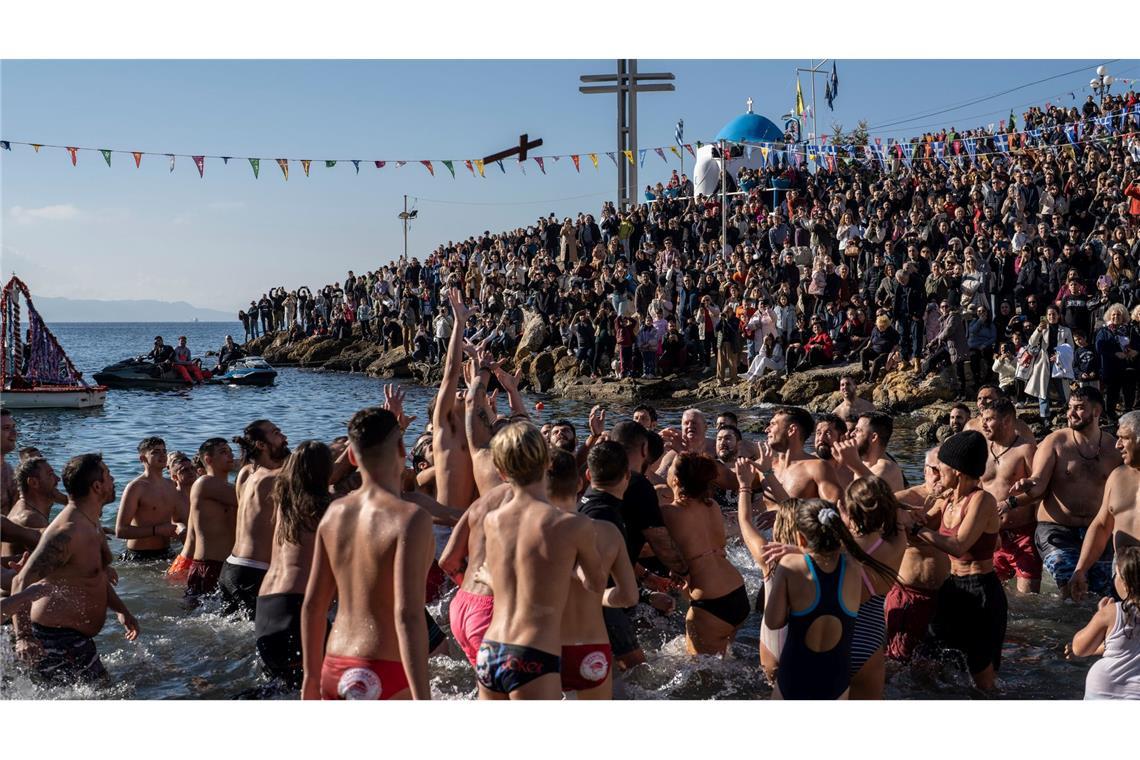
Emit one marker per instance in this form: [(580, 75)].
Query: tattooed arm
[(52, 553)]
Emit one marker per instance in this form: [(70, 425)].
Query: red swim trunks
[(470, 616), (354, 678), (585, 666), (1016, 555), (909, 611), (179, 568), (203, 576)]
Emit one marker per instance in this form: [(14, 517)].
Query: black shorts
[(277, 626), (971, 617), (69, 657), (146, 555), (619, 627), (239, 585)]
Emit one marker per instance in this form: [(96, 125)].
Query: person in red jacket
[(1133, 193), (819, 349)]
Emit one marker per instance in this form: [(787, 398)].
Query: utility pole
[(627, 84), (406, 216)]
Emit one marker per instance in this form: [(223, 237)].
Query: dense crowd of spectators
[(1017, 264)]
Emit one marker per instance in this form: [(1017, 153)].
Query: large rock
[(356, 357), (541, 373), (534, 335), (394, 363), (824, 404), (802, 387), (624, 392), (899, 391), (319, 352)]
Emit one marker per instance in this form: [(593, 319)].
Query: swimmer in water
[(213, 517), (149, 509)]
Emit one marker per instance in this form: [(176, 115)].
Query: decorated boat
[(35, 371)]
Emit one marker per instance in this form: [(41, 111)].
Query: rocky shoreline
[(555, 371)]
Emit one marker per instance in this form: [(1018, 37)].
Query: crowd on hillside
[(1017, 265)]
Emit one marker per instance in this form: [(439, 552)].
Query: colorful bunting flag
[(330, 164), (284, 164), (576, 158), (256, 164), (641, 158), (398, 163), (613, 158), (556, 158), (6, 145), (594, 158), (36, 147), (171, 156), (106, 155), (522, 166), (356, 165), (226, 160), (138, 158), (676, 152), (470, 167), (200, 162), (690, 149), (380, 164), (73, 151), (479, 166), (450, 167), (502, 168), (538, 160), (429, 167), (305, 165), (662, 154)]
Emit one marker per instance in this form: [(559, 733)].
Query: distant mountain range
[(72, 310)]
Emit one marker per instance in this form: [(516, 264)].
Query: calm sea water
[(202, 655)]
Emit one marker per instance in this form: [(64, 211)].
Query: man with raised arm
[(865, 451), (801, 475), (372, 554), (266, 447), (213, 517), (454, 478), (1070, 469), (74, 559), (1118, 520), (149, 507), (533, 549), (1010, 460)]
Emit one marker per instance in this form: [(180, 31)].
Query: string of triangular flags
[(473, 165)]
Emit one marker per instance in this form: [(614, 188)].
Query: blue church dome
[(750, 127)]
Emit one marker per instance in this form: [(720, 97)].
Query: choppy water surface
[(199, 654)]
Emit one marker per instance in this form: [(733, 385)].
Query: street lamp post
[(1102, 82)]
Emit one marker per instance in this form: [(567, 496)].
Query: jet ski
[(249, 370), (140, 372)]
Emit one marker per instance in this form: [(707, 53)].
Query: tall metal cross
[(627, 84)]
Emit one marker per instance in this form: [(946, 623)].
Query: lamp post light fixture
[(1102, 82)]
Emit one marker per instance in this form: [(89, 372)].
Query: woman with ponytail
[(972, 607), (870, 510), (1114, 633), (816, 594), (718, 601)]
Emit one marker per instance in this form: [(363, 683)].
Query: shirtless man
[(987, 395), (267, 448), (587, 656), (36, 482), (73, 558), (692, 439), (747, 448), (372, 554), (454, 477), (8, 492), (801, 475), (910, 605), (213, 517), (851, 407), (149, 507), (1070, 469), (830, 430), (27, 452), (1010, 460), (646, 416), (865, 450), (1118, 520), (533, 549), (959, 417), (183, 473)]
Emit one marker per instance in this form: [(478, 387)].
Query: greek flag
[(679, 133)]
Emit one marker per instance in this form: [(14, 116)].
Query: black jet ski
[(140, 372), (249, 370)]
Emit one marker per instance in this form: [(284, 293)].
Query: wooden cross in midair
[(524, 145)]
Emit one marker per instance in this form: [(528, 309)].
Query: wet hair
[(834, 420), (150, 443), (695, 474), (210, 447), (196, 460), (81, 473), (784, 526), (1087, 393), (629, 434), (420, 451), (370, 430), (27, 452), (881, 424), (872, 506), (730, 416), (253, 434), (564, 423), (1003, 408), (301, 491), (824, 532), (27, 470), (562, 476), (799, 417), (608, 463), (520, 453), (735, 431), (647, 409)]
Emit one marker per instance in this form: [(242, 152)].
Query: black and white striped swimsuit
[(871, 624)]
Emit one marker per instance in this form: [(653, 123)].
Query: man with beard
[(986, 397), (801, 475), (865, 450), (267, 448), (959, 418), (829, 431), (1119, 515), (747, 448), (1070, 469), (852, 406), (36, 482), (1010, 460), (73, 558)]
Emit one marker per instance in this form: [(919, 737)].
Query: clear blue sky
[(121, 232)]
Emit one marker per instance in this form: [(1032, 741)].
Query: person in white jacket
[(769, 358)]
